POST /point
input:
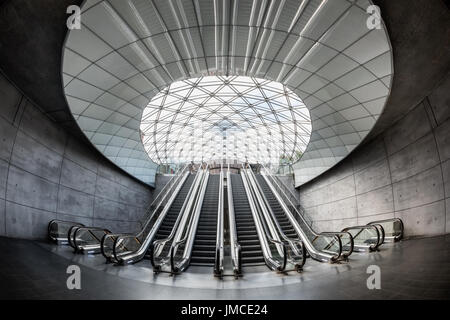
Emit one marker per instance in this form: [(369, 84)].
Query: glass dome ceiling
[(220, 117), (128, 51)]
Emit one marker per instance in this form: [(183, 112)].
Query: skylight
[(232, 118)]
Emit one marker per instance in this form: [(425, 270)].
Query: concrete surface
[(45, 174), (412, 269), (403, 172), (419, 33), (31, 38)]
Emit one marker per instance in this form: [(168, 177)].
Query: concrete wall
[(46, 174), (160, 181), (404, 172)]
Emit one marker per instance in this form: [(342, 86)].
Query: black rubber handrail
[(396, 238), (293, 242), (163, 242), (218, 259), (196, 205), (116, 244), (338, 235), (102, 245), (372, 247), (286, 203), (281, 266), (69, 238), (382, 233), (90, 230), (72, 223), (155, 208), (234, 243)]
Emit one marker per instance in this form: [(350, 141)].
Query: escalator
[(277, 210), (324, 246), (203, 252), (169, 220), (171, 253), (247, 235)]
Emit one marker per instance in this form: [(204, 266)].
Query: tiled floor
[(412, 269)]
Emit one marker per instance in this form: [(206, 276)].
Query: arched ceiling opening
[(127, 51), (234, 118)]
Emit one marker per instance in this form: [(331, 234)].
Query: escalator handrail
[(311, 249), (173, 182), (262, 205), (234, 243), (122, 257), (138, 254), (69, 238), (339, 235), (382, 233), (170, 185), (396, 238), (90, 230), (102, 244), (189, 228), (162, 242), (293, 242), (371, 247), (53, 221), (163, 194), (286, 188), (293, 198), (218, 261), (262, 229)]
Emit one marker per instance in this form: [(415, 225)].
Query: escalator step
[(202, 261), (196, 253), (256, 253)]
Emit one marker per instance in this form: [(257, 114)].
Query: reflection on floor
[(412, 269)]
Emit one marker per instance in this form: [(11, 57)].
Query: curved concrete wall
[(404, 172), (45, 174)]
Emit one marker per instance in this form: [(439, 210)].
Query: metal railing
[(87, 239), (293, 197), (163, 193), (129, 248), (324, 246), (294, 250), (184, 240), (107, 245), (393, 228), (271, 245), (372, 235), (234, 244), (366, 237), (218, 261), (160, 249), (57, 230)]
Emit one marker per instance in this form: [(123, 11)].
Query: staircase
[(203, 252), (251, 251), (278, 211)]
